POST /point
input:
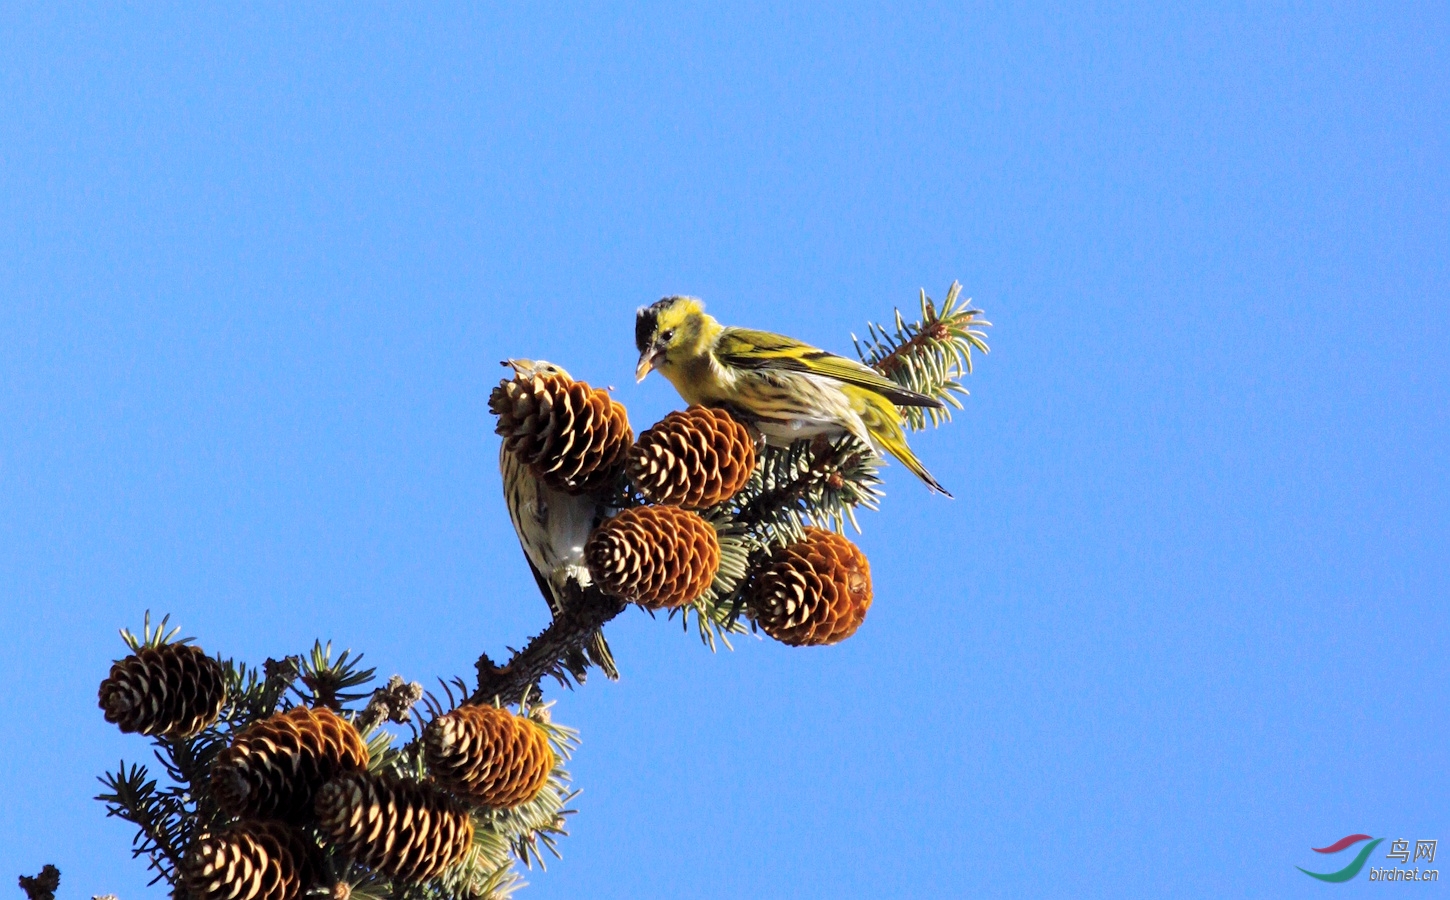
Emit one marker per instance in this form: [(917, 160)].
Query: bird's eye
[(667, 334)]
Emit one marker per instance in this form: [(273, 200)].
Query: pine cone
[(250, 861), (571, 435), (404, 829), (694, 459), (171, 689), (657, 556), (275, 766), (488, 755), (813, 592)]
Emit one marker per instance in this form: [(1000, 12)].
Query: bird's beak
[(646, 362)]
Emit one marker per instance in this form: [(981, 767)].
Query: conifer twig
[(586, 611), (159, 830), (393, 703), (826, 462), (42, 886), (928, 356)]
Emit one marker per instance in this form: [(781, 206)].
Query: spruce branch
[(811, 482), (393, 703), (253, 694), (158, 636), (42, 886), (928, 356), (587, 610), (326, 680), (170, 817), (160, 834)]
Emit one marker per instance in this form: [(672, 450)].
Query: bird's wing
[(749, 349), (544, 587)]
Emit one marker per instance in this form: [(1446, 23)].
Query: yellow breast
[(700, 380)]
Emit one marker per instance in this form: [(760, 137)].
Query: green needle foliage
[(930, 355), (173, 809), (153, 637)]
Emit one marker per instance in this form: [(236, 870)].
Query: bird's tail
[(596, 650), (899, 449), (883, 423), (601, 655)]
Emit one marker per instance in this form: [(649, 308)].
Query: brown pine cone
[(660, 557), (171, 689), (695, 459), (571, 435), (250, 861), (488, 755), (812, 593), (274, 767), (404, 829)]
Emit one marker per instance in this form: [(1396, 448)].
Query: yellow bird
[(785, 388)]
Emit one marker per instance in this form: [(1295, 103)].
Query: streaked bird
[(552, 527), (787, 389)]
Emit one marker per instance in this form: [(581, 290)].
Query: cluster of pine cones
[(664, 555), (298, 781), (296, 784)]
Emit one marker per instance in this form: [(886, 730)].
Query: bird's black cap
[(646, 320)]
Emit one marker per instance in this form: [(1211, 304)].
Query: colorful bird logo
[(1353, 868)]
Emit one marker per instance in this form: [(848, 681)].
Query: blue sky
[(1186, 619)]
